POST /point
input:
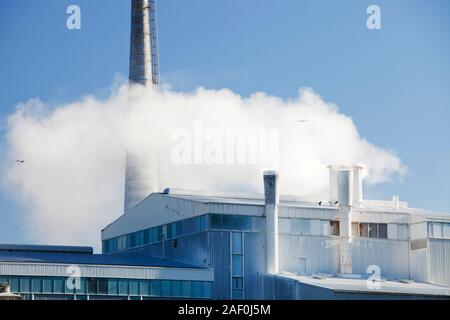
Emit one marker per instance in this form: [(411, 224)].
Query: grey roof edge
[(47, 248)]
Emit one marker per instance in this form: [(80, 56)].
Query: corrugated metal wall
[(420, 265), (313, 253), (220, 261), (254, 264), (439, 262), (391, 256)]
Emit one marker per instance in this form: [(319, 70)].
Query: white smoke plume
[(72, 181)]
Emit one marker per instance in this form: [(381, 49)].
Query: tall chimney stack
[(272, 201), (345, 190), (144, 70)]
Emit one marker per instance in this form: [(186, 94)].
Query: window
[(446, 231), (166, 288), (236, 242), (112, 287), (155, 288), (284, 225), (196, 289), (123, 287), (134, 288), (227, 222), (36, 285), (257, 224), (103, 286), (47, 285), (186, 289), (355, 229), (334, 226), (237, 265), (216, 221), (437, 230), (364, 230), (92, 286), (382, 231), (237, 283), (403, 232), (373, 230), (206, 289), (238, 222), (176, 288), (82, 288), (25, 285), (296, 226), (60, 285), (144, 289), (306, 227)]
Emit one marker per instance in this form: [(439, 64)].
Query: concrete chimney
[(345, 190), (272, 201), (144, 70)]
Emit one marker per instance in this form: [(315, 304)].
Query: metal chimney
[(272, 201), (144, 70), (345, 190)]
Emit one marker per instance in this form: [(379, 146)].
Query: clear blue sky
[(394, 82)]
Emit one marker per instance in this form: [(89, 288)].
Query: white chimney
[(272, 201), (357, 186), (345, 190), (395, 202)]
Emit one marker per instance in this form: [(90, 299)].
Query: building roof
[(360, 285), (89, 259), (45, 248)]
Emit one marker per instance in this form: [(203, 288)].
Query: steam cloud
[(72, 182)]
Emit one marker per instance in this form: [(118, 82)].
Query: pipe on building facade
[(272, 201), (345, 195)]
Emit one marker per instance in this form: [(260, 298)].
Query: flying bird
[(20, 161), (301, 121), (320, 203)]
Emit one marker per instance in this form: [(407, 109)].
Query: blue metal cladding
[(220, 260)]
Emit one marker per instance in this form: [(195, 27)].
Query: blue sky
[(394, 82)]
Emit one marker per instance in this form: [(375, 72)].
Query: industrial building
[(179, 244)]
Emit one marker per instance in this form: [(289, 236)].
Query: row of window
[(110, 287), (309, 227), (182, 228), (439, 230)]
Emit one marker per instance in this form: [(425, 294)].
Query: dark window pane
[(216, 221), (92, 286), (82, 288), (247, 223), (257, 224), (103, 286), (227, 222), (238, 222), (204, 222), (382, 230), (334, 228), (373, 230)]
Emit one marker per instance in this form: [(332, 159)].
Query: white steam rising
[(72, 181)]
